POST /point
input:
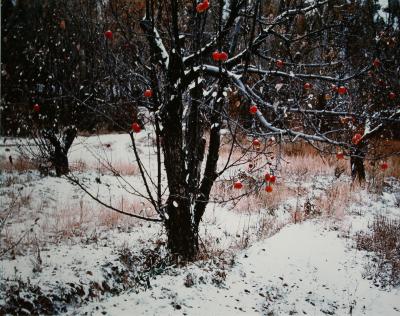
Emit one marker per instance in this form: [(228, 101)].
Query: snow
[(226, 10), (161, 46), (383, 5), (195, 82), (304, 269)]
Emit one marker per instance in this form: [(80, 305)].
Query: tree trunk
[(59, 158), (60, 162), (357, 165), (182, 233)]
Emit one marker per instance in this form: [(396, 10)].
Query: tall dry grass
[(120, 168), (75, 222), (383, 240), (18, 164), (337, 198)]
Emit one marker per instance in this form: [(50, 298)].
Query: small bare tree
[(49, 69)]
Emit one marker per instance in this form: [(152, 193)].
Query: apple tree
[(243, 74)]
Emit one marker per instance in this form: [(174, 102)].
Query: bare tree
[(49, 70)]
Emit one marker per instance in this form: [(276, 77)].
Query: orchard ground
[(300, 249)]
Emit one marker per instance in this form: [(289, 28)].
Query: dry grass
[(261, 199), (18, 164), (78, 166), (75, 222), (299, 148), (22, 165), (301, 163), (337, 198), (257, 199), (384, 240), (311, 165), (127, 169), (120, 168)]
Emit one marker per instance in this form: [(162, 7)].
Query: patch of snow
[(161, 46)]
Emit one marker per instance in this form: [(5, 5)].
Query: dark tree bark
[(357, 165), (60, 162), (59, 157), (181, 231), (182, 234)]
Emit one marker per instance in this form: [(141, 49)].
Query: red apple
[(199, 8), (392, 95), (272, 179), (136, 127), (356, 139), (223, 56), (307, 86), (384, 165), (268, 188), (216, 56), (36, 108), (342, 90), (280, 63), (238, 185), (148, 93), (267, 177), (253, 109), (202, 6), (256, 143), (340, 155), (108, 34), (377, 63)]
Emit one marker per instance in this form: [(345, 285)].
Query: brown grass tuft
[(120, 168), (18, 164), (336, 198), (384, 240)]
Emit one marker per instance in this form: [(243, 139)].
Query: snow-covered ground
[(256, 260), (304, 269)]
